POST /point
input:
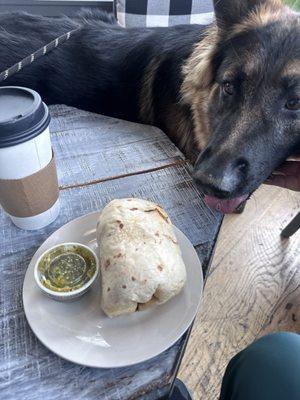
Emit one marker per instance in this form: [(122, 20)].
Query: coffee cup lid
[(23, 115)]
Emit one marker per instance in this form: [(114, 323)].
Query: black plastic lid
[(23, 115)]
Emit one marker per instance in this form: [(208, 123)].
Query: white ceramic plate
[(80, 332)]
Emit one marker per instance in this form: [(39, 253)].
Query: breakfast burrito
[(140, 259)]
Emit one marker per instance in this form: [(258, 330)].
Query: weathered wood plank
[(253, 288), (89, 146), (30, 372), (172, 188)]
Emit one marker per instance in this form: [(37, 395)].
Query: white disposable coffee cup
[(25, 157)]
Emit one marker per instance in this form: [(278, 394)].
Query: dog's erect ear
[(230, 12)]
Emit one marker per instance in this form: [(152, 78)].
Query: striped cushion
[(146, 13)]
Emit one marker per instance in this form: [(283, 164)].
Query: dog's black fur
[(231, 90), (100, 69)]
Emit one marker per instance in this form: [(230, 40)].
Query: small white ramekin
[(66, 296)]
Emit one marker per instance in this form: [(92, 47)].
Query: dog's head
[(250, 89)]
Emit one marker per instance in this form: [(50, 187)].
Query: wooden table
[(98, 159)]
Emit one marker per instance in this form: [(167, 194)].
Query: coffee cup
[(29, 191)]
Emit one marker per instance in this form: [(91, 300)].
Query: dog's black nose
[(211, 185), (220, 178)]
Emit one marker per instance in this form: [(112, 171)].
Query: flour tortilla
[(140, 259)]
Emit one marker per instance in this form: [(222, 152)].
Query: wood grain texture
[(90, 146), (253, 289), (28, 371)]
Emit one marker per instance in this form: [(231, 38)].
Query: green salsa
[(67, 268)]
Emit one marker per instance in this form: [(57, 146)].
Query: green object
[(295, 4), (66, 268), (269, 369)]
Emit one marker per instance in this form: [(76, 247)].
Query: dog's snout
[(220, 177), (210, 185), (242, 165)]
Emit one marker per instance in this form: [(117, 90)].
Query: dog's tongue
[(224, 206)]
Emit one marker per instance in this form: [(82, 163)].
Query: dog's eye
[(228, 88), (293, 104)]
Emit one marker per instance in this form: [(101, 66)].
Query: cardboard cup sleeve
[(31, 195)]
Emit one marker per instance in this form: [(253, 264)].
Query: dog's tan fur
[(196, 87), (181, 130), (263, 15), (292, 68)]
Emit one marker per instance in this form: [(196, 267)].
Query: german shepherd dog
[(228, 93)]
